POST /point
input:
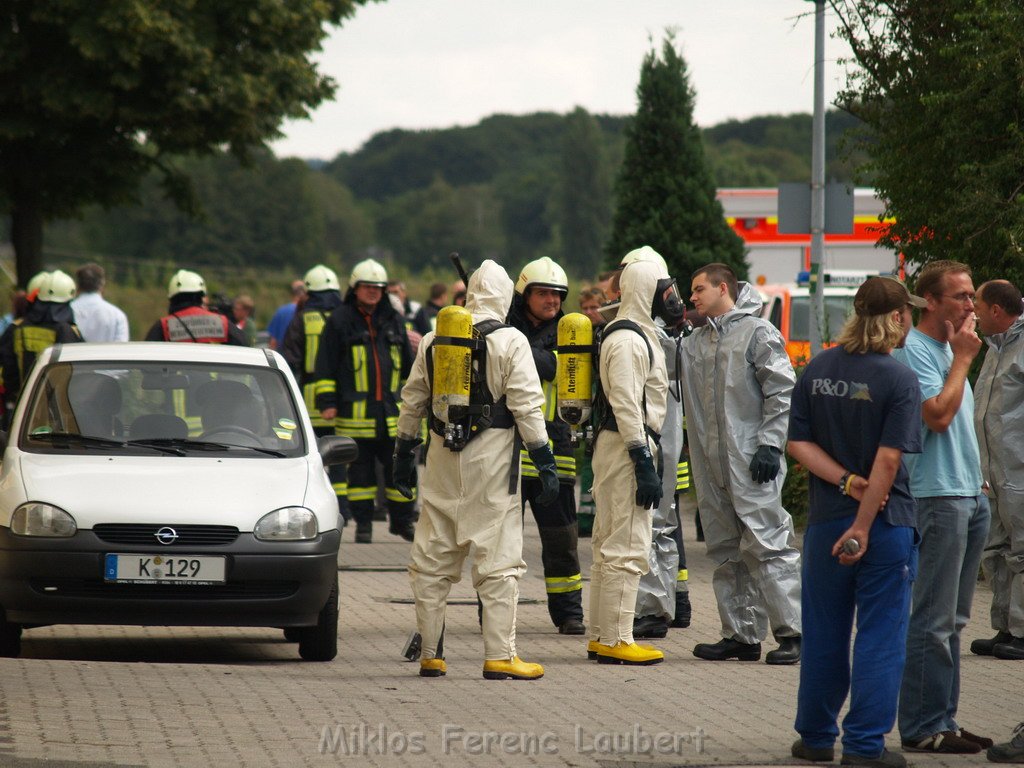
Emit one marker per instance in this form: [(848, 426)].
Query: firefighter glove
[(544, 460), (648, 484), (403, 468), (764, 467)]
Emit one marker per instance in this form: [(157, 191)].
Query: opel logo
[(166, 535)]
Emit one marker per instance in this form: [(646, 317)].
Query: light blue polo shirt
[(950, 464)]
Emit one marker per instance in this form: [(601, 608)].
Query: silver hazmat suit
[(738, 382), (622, 530), (465, 495), (999, 422)]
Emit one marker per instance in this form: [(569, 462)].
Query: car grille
[(145, 534), (86, 588)]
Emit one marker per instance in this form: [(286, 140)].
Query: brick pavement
[(181, 697)]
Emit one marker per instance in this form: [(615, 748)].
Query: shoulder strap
[(632, 326)]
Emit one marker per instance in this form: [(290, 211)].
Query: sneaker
[(364, 532), (650, 626), (814, 754), (788, 652), (728, 649), (1011, 751), (982, 741), (885, 760), (1014, 649), (572, 627), (985, 647), (946, 742)]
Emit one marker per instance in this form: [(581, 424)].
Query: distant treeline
[(502, 188)]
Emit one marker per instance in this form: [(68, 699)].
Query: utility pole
[(818, 182)]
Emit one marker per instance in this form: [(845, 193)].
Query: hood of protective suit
[(748, 302), (489, 293), (638, 283)]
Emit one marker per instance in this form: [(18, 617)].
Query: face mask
[(668, 304)]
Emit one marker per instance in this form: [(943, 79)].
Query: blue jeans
[(878, 590), (953, 532)]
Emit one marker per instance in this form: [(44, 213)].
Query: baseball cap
[(879, 295)]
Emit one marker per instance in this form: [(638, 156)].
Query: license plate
[(153, 569)]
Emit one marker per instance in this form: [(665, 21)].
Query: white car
[(168, 484)]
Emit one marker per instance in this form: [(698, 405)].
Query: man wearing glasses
[(953, 513)]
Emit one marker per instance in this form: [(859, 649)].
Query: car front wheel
[(320, 642), (10, 639)]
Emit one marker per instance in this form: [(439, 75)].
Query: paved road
[(83, 696)]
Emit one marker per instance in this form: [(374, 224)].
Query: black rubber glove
[(764, 467), (648, 484), (544, 460), (403, 466)]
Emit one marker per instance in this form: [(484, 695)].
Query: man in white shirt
[(97, 318)]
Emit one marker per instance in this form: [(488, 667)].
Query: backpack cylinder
[(453, 364), (575, 368)]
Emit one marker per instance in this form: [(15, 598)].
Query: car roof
[(143, 351)]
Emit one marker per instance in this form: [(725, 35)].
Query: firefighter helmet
[(184, 281), (321, 278), (58, 287), (645, 253), (369, 272), (32, 289), (545, 273)]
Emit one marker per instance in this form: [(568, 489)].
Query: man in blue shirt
[(855, 412), (953, 513), (283, 315)]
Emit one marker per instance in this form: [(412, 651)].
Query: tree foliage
[(584, 195), (665, 196), (93, 96), (939, 88)]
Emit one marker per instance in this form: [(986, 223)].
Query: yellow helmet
[(543, 272), (370, 272), (184, 281), (321, 278)]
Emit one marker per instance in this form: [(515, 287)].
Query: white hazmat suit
[(465, 495), (636, 388), (738, 382)]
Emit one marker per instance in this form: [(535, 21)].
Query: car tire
[(10, 640), (320, 643), (293, 634)]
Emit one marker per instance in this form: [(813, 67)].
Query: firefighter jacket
[(360, 366), (543, 340), (46, 323), (302, 342), (194, 324)]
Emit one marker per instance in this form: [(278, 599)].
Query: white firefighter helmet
[(645, 253), (36, 283), (184, 281), (545, 273), (321, 278), (58, 287), (370, 272)]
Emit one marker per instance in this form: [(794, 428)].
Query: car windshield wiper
[(200, 445), (98, 442)]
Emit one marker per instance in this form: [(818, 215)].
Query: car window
[(146, 408), (837, 309)]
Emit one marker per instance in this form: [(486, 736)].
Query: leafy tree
[(938, 86), (93, 96), (665, 197), (585, 194)]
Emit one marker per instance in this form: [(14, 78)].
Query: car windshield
[(837, 309), (161, 408)]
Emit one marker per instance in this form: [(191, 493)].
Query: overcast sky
[(418, 64)]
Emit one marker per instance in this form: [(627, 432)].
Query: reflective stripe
[(309, 398), (392, 495), (355, 428), (396, 368), (682, 475), (340, 489), (360, 374), (560, 584), (682, 575), (550, 400), (565, 466), (362, 494), (324, 386), (313, 323)]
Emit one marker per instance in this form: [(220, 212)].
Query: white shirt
[(98, 319)]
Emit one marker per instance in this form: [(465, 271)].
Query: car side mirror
[(335, 449)]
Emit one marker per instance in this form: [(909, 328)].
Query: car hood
[(165, 489)]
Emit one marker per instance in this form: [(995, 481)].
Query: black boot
[(683, 611), (650, 626), (364, 532), (788, 651), (1011, 650), (728, 649), (985, 647), (572, 626), (405, 529)]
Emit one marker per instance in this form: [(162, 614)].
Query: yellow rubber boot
[(433, 668), (593, 647), (629, 653), (516, 669)]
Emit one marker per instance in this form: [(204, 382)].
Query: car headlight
[(286, 524), (37, 519)]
